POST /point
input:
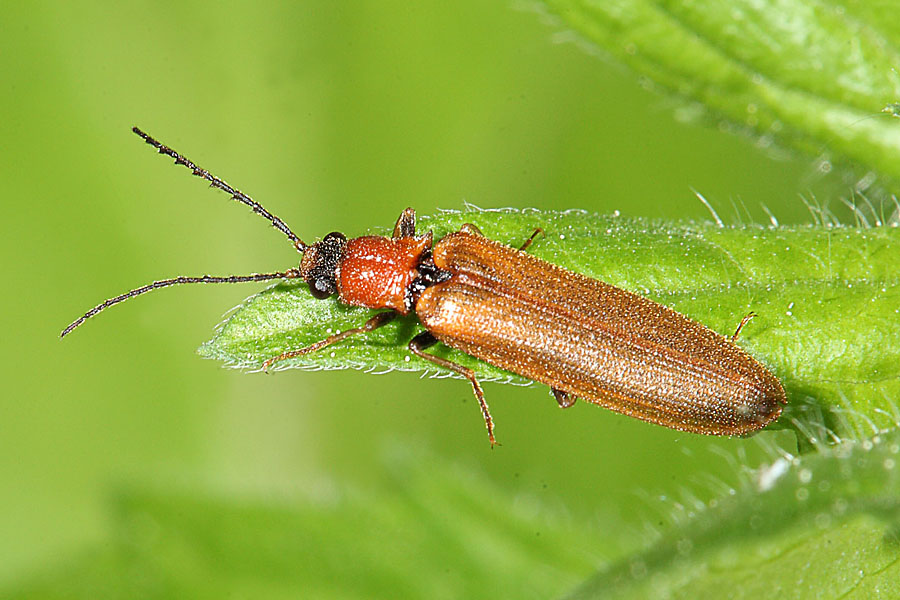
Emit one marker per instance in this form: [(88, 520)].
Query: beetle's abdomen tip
[(762, 413)]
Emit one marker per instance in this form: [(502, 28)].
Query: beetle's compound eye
[(320, 264), (322, 288)]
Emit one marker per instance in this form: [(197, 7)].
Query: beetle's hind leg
[(740, 326), (424, 340), (565, 399), (371, 325)]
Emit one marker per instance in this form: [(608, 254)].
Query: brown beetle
[(582, 337)]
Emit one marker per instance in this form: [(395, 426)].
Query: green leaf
[(827, 300), (809, 74), (434, 531), (823, 526)]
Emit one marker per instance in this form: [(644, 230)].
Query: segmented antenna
[(236, 195), (289, 274), (219, 184)]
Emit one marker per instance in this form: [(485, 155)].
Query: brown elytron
[(582, 337), (594, 341)]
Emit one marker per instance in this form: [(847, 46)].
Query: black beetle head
[(319, 267)]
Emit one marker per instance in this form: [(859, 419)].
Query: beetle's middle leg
[(538, 231), (426, 340), (473, 229), (371, 325)]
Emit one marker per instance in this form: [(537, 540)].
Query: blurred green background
[(334, 116)]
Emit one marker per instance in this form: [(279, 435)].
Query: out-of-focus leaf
[(823, 526), (810, 74), (434, 532)]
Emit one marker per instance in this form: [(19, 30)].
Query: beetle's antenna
[(289, 274), (218, 183)]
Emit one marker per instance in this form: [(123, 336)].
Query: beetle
[(580, 336)]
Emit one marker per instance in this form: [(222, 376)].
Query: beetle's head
[(319, 266)]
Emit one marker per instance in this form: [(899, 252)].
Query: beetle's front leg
[(371, 325)]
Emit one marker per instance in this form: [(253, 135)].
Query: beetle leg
[(528, 242), (406, 224), (740, 326), (565, 399), (424, 340), (473, 229), (371, 325)]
